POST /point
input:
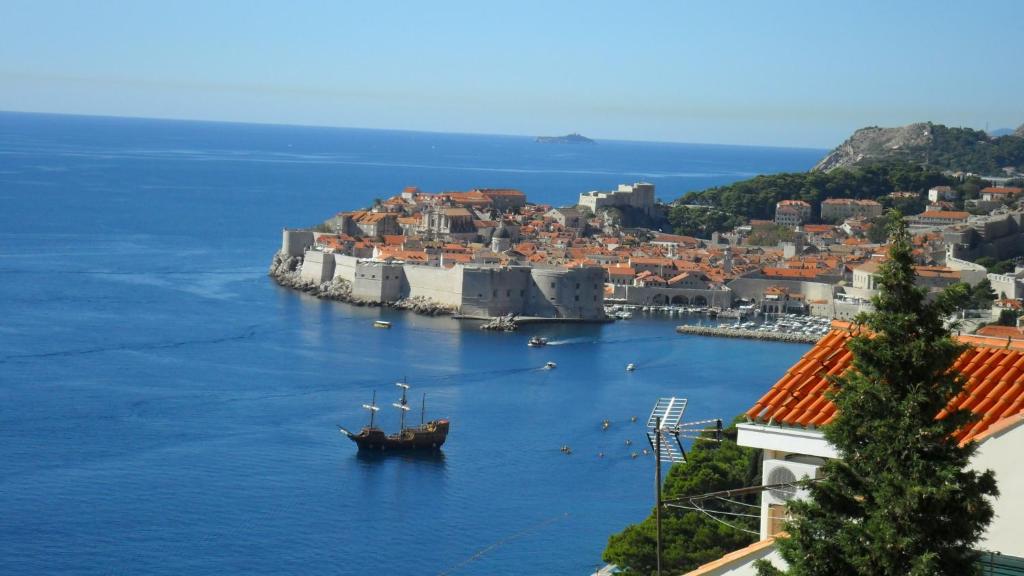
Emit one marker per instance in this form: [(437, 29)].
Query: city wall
[(476, 290)]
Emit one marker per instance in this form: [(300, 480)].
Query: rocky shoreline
[(286, 271), (751, 334)]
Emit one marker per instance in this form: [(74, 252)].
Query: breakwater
[(749, 334), (286, 271)]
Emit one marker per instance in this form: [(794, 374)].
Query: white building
[(786, 424), (792, 213), (939, 193)]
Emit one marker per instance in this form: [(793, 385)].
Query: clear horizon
[(747, 74)]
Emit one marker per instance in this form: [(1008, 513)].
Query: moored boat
[(427, 436), (381, 324), (537, 341)]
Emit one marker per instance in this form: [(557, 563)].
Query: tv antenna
[(664, 430)]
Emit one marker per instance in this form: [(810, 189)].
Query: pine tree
[(899, 499)]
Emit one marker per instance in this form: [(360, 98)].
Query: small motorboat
[(381, 324), (549, 365), (630, 367), (537, 341)]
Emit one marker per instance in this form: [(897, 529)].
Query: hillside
[(931, 145)]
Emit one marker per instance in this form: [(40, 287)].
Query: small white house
[(786, 423)]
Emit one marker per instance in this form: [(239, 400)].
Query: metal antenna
[(664, 429), (402, 404), (372, 407)]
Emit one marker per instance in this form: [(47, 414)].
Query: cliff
[(927, 144)]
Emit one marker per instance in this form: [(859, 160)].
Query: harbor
[(733, 332)]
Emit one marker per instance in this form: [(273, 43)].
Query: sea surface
[(165, 408)]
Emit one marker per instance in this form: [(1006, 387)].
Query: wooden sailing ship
[(427, 436)]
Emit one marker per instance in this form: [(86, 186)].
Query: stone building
[(791, 213), (639, 195), (839, 209)]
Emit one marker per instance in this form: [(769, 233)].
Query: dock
[(795, 338)]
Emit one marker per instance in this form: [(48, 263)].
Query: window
[(508, 293), (494, 293), (577, 297), (552, 284), (577, 285), (522, 293)]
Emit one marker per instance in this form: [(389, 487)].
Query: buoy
[(629, 442), (605, 424), (633, 455), (632, 418), (600, 454)]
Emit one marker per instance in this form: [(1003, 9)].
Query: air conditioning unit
[(785, 472)]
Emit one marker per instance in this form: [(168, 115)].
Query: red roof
[(994, 369)]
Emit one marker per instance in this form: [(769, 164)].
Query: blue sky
[(791, 73)]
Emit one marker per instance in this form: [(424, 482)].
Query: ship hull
[(429, 436)]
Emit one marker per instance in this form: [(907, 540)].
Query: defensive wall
[(474, 290)]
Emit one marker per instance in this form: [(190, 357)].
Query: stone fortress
[(475, 290), (639, 196)]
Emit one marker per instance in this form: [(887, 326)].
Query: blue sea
[(165, 408)]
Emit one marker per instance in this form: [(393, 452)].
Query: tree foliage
[(756, 197), (690, 538), (771, 236), (977, 297), (899, 499), (701, 222)]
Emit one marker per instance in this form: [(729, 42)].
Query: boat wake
[(571, 341)]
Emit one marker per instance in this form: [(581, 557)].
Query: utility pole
[(657, 491)]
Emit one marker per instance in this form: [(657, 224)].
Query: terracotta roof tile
[(994, 369)]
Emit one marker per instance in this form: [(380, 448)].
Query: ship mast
[(402, 404), (372, 407), (423, 409)]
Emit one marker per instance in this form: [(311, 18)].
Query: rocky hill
[(876, 143), (927, 144)]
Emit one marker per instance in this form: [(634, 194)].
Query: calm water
[(166, 409)]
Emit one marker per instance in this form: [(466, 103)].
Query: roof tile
[(994, 369)]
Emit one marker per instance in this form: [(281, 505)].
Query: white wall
[(441, 285), (1001, 453), (317, 267)]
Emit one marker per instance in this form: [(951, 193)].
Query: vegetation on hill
[(724, 207), (967, 150), (690, 538), (931, 145), (900, 498), (871, 164)]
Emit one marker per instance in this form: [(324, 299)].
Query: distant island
[(573, 138)]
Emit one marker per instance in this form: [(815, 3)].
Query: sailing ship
[(427, 436)]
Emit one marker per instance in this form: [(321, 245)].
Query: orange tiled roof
[(994, 369), (1001, 190)]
